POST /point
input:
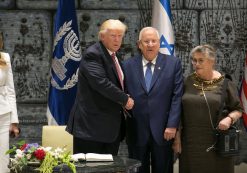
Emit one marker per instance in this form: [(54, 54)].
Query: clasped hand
[(130, 103)]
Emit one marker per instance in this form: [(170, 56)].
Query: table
[(120, 165)]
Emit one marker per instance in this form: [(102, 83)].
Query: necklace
[(207, 84)]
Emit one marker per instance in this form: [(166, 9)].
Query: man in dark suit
[(96, 120), (155, 82)]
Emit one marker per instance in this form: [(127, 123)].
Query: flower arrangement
[(45, 157)]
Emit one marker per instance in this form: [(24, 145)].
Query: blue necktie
[(148, 76)]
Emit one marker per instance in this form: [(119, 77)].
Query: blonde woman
[(8, 112)]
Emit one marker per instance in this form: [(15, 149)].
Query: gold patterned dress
[(197, 133)]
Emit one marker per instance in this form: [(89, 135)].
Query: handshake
[(130, 103)]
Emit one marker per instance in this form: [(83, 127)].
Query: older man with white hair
[(155, 82)]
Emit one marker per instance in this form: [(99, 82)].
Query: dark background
[(27, 26)]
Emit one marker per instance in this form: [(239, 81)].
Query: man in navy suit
[(96, 120), (155, 82)]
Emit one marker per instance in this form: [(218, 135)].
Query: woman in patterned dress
[(197, 125)]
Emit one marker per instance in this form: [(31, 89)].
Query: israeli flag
[(162, 20), (65, 63)]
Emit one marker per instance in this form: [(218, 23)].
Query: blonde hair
[(207, 50), (111, 24), (2, 61)]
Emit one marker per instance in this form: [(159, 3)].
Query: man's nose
[(150, 44)]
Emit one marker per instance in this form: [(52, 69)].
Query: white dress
[(8, 111)]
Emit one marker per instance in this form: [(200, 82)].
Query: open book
[(93, 164), (92, 157)]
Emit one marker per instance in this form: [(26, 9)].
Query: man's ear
[(138, 43), (101, 37)]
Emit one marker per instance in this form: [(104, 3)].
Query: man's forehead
[(115, 30)]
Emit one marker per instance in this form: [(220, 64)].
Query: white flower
[(18, 151), (29, 156), (19, 154), (46, 149), (56, 155), (22, 157), (58, 150)]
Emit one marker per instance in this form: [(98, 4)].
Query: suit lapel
[(109, 60), (159, 66), (138, 65)]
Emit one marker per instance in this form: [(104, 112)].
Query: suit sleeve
[(94, 70), (175, 110), (11, 97)]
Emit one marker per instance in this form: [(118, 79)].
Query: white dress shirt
[(145, 62)]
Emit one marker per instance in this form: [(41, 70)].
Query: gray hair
[(207, 50), (148, 28)]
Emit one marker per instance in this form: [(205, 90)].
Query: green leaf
[(10, 151), (20, 143)]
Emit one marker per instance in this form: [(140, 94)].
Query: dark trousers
[(161, 157), (85, 146)]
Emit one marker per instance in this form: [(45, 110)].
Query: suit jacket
[(161, 106), (7, 90), (97, 112)]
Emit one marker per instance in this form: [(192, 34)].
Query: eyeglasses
[(199, 61), (148, 42)]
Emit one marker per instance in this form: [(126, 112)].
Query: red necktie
[(118, 68)]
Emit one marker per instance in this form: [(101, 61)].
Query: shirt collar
[(110, 52), (144, 61)]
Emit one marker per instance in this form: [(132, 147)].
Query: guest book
[(92, 157)]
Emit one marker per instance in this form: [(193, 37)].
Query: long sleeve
[(233, 101), (10, 90), (175, 110), (95, 70)]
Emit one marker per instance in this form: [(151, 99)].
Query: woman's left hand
[(176, 146), (14, 130), (225, 123)]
